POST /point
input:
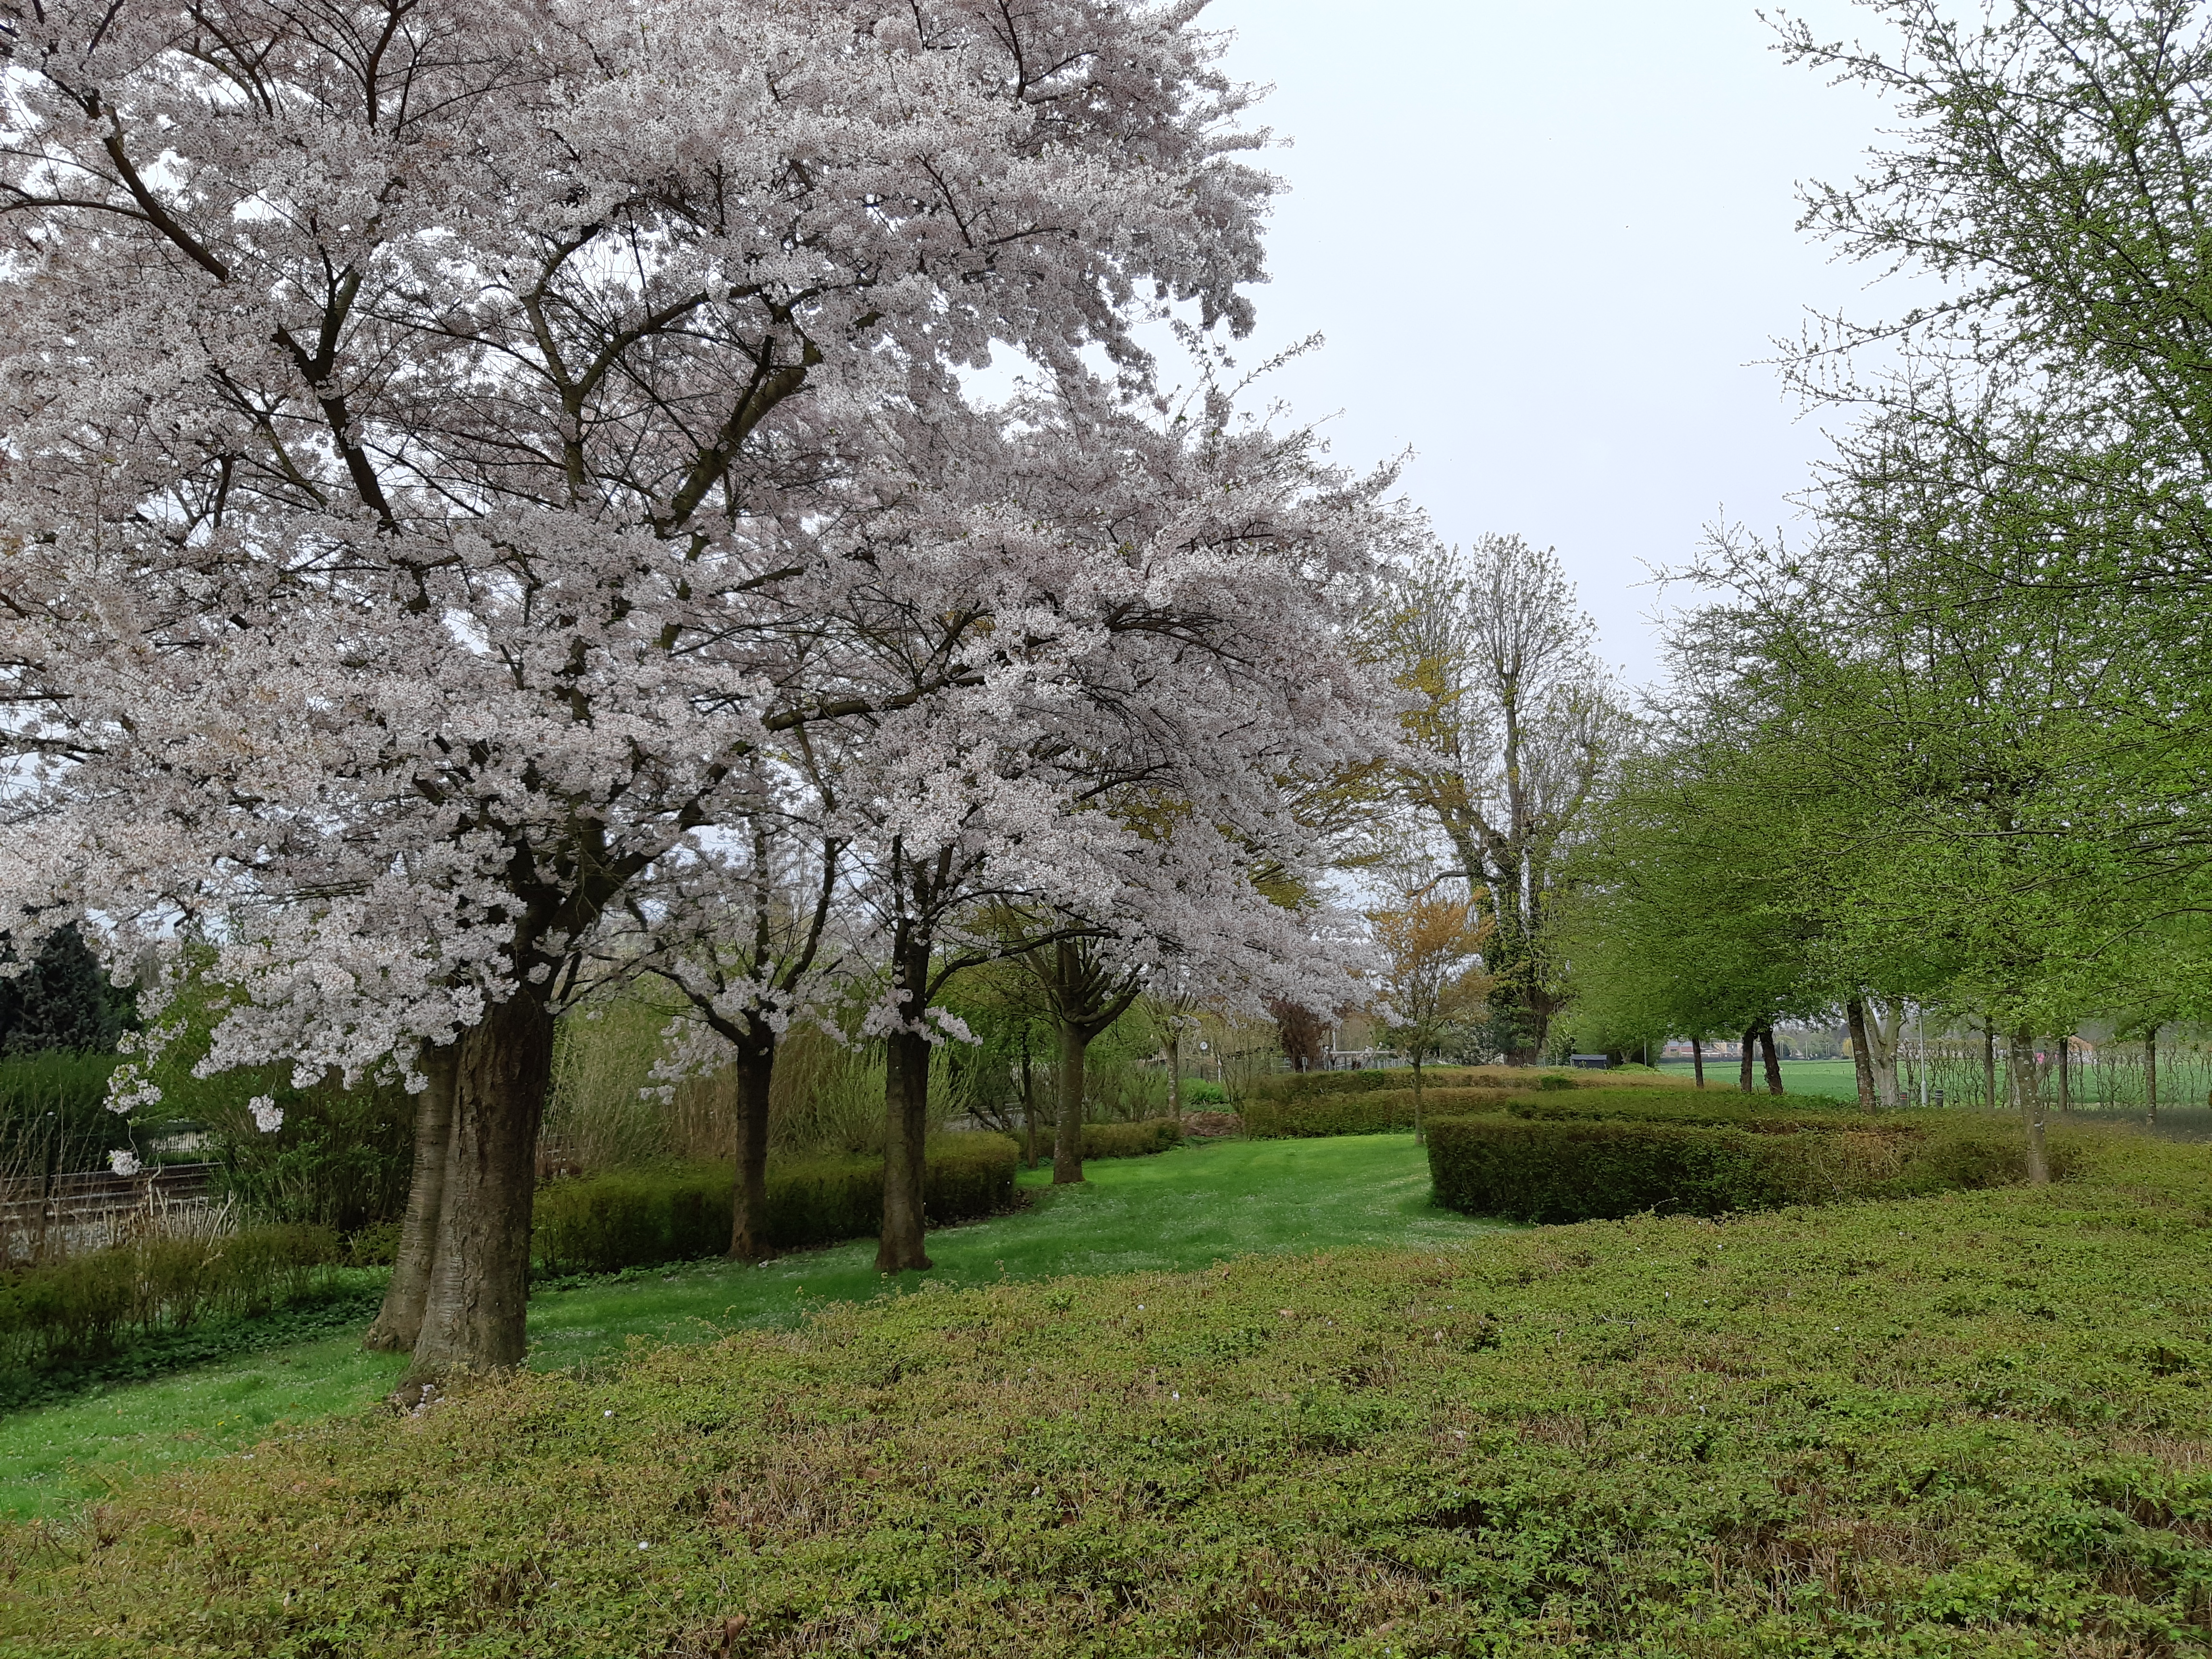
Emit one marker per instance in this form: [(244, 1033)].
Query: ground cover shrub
[(1972, 1425), (89, 1305), (635, 1218), (1148, 1135), (1376, 1111), (1526, 1166), (1198, 1091)]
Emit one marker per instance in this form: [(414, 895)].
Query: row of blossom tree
[(488, 500)]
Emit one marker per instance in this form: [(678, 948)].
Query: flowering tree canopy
[(448, 446)]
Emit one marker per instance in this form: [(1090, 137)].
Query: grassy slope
[(1183, 1209), (1974, 1425)]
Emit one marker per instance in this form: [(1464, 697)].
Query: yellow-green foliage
[(1972, 1424)]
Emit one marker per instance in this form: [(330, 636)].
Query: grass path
[(1180, 1210)]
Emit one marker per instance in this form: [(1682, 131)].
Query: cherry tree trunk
[(1698, 1059), (400, 1320), (1028, 1107), (479, 1284), (906, 1130), (749, 1239), (1749, 1049), (1175, 1072), (1989, 1066), (1861, 1062), (2026, 1087), (1068, 1142)]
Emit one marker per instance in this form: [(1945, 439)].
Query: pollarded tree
[(437, 433), (1514, 730)]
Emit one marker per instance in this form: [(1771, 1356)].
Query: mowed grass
[(1972, 1424), (1183, 1209)]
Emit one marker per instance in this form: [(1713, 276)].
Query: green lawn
[(1799, 1077), (1971, 1426), (1182, 1209)]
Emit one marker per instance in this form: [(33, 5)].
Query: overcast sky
[(1549, 246)]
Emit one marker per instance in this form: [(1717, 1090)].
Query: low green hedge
[(1557, 1170), (1376, 1112), (1152, 1134), (87, 1305), (634, 1217), (1761, 1114), (1308, 1085)]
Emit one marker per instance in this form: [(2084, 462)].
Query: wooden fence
[(40, 1215)]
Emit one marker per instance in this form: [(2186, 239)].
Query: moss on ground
[(1978, 1424)]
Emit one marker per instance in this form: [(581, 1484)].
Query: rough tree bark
[(906, 1158), (1085, 997), (2030, 1096), (1749, 1049), (1697, 1059), (1990, 1064), (400, 1321), (1067, 1139), (1771, 1056), (906, 1120), (472, 1319), (755, 1065), (1861, 1062)]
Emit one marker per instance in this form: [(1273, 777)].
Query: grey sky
[(1549, 245)]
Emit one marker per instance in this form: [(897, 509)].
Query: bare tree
[(1515, 731)]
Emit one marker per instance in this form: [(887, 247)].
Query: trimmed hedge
[(87, 1306), (1307, 1085), (1759, 1114), (1152, 1134), (635, 1218), (1376, 1112), (1556, 1170)]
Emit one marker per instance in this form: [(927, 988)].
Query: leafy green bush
[(85, 1305), (53, 1112), (1378, 1111), (1203, 1091), (1153, 1134), (342, 1159), (1529, 1167), (633, 1218)]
